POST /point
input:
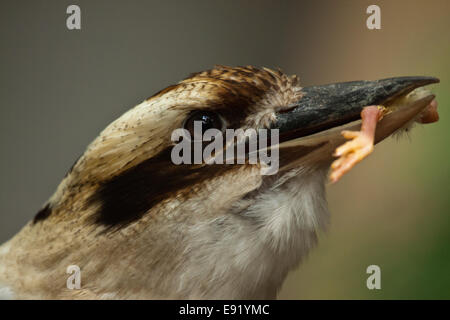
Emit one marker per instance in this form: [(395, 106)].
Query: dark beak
[(327, 106)]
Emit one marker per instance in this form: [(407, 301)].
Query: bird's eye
[(207, 119)]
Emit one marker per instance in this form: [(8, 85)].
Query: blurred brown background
[(60, 88)]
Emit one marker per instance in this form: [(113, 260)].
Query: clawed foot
[(350, 153), (360, 144)]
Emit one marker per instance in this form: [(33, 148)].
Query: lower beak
[(328, 106)]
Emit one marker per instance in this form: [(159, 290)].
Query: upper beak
[(328, 106)]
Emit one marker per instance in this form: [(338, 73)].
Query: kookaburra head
[(140, 226)]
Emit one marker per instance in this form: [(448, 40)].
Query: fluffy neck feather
[(245, 254)]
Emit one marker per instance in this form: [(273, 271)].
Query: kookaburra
[(141, 227)]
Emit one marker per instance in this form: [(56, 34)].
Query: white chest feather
[(6, 293), (253, 256)]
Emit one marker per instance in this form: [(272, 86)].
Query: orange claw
[(360, 144)]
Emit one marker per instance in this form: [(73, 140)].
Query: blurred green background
[(60, 88), (393, 210)]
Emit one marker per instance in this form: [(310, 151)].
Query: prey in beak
[(365, 112), (142, 226)]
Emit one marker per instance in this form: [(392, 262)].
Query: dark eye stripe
[(128, 196)]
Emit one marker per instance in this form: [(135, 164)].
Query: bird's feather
[(6, 293)]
